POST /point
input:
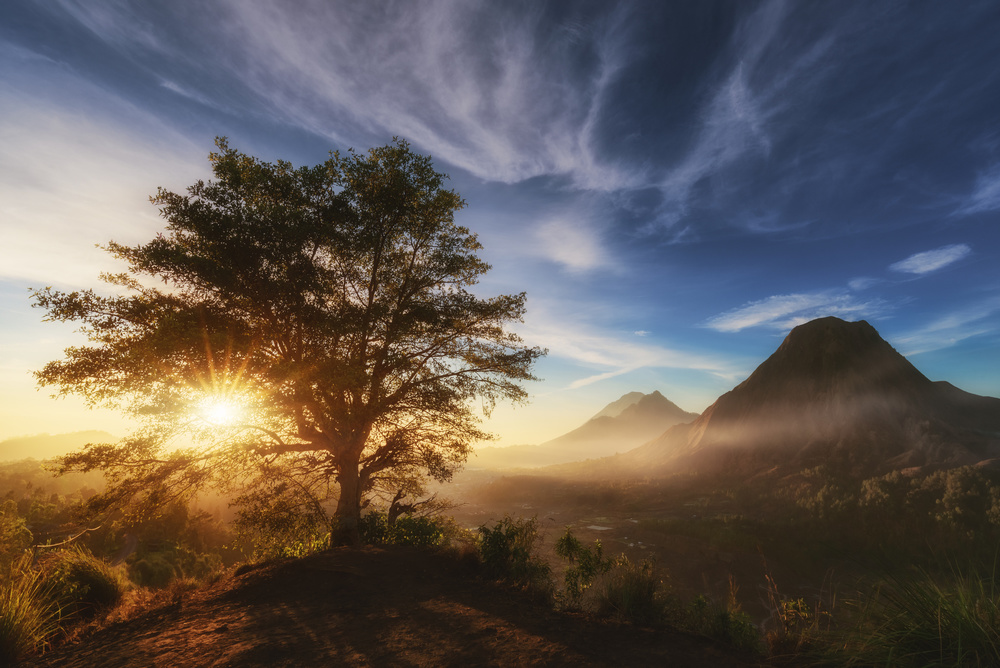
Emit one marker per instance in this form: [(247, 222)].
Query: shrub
[(590, 563), (629, 593), (732, 627), (506, 550), (159, 568), (81, 583), (152, 571), (27, 616), (417, 531)]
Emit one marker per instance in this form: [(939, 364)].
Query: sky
[(675, 185)]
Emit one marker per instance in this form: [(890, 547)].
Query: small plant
[(794, 623), (507, 552), (629, 593), (730, 626), (589, 564)]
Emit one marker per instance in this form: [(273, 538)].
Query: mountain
[(621, 425), (46, 446), (833, 393), (615, 408)]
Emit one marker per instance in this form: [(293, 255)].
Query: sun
[(220, 411)]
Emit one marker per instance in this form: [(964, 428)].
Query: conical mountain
[(834, 393), (620, 426), (634, 425), (615, 408)]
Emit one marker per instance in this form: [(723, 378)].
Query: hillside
[(46, 446), (372, 607), (623, 424)]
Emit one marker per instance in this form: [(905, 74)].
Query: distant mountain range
[(633, 419), (834, 393), (46, 446)]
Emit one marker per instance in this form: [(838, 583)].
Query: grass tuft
[(28, 617), (916, 619), (81, 583)]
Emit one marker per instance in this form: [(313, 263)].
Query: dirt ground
[(373, 607)]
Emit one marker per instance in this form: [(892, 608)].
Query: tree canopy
[(292, 330)]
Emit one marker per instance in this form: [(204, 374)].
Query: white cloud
[(570, 242), (69, 181), (610, 354), (986, 195), (782, 312), (862, 283), (932, 260), (736, 121), (480, 86), (948, 330)]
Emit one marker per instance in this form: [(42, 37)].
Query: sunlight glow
[(220, 411)]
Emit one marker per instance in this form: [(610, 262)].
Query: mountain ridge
[(47, 446), (834, 393), (623, 424)]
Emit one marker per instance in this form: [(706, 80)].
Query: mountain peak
[(833, 356), (837, 389), (615, 408)]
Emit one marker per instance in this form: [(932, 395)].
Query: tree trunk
[(396, 508), (345, 529)]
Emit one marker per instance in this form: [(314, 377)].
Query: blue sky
[(675, 185)]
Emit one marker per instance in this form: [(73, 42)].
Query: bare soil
[(374, 607)]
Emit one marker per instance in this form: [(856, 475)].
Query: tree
[(316, 319)]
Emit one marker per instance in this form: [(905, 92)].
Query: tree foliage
[(317, 320)]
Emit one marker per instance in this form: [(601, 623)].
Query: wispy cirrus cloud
[(498, 90), (782, 312), (986, 194), (495, 90), (932, 260), (737, 123), (76, 170), (572, 242), (611, 354), (947, 330), (862, 283)]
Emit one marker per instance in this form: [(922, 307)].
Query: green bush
[(14, 534), (732, 627), (628, 592), (507, 552), (28, 617), (416, 531), (81, 583), (159, 568), (589, 564), (152, 571)]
